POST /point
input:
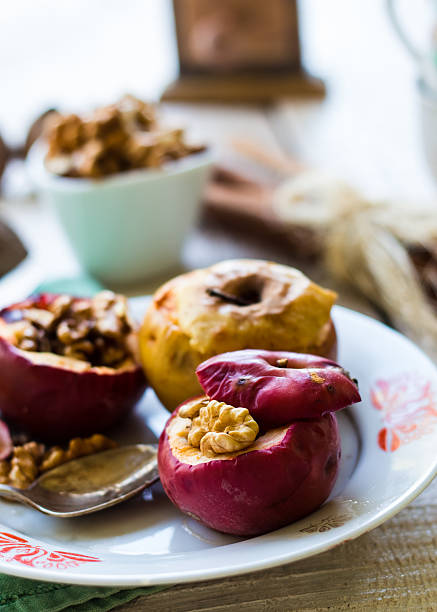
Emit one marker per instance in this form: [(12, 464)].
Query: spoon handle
[(13, 494)]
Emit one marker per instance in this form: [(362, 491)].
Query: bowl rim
[(44, 179)]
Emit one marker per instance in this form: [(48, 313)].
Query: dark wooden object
[(244, 51), (12, 251)]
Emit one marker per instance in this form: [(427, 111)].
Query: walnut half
[(218, 428)]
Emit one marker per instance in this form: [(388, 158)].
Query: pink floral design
[(408, 405), (14, 548)]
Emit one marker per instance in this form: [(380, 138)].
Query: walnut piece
[(30, 460), (93, 330), (5, 468), (218, 428), (66, 134), (24, 464), (78, 447)]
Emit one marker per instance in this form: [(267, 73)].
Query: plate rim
[(332, 540)]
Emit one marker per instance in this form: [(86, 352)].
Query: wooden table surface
[(366, 130)]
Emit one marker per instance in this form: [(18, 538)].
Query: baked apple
[(278, 387), (68, 364), (232, 305), (243, 485), (215, 466)]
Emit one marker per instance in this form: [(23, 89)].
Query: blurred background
[(274, 93), (73, 56)]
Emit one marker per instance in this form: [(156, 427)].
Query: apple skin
[(276, 395), (38, 300), (55, 404), (257, 491), (5, 441)]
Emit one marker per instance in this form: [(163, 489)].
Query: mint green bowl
[(131, 226)]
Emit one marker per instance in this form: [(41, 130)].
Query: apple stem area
[(227, 297)]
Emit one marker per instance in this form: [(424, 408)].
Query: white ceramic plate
[(389, 443)]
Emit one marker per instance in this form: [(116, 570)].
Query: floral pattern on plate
[(14, 548), (408, 404), (327, 523)]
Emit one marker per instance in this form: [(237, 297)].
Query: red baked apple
[(215, 466), (68, 365), (280, 477)]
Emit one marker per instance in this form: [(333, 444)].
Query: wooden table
[(391, 568), (366, 130)]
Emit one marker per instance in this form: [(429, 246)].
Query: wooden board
[(239, 51), (243, 88), (236, 35)]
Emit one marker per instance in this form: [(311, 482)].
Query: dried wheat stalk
[(386, 250)]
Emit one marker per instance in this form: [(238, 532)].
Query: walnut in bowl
[(112, 139)]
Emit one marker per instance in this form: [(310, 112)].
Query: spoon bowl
[(91, 483)]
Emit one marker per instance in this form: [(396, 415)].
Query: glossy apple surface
[(5, 441), (284, 475), (277, 387)]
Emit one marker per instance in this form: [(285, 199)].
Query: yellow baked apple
[(232, 305)]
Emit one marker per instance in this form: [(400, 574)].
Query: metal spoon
[(91, 483)]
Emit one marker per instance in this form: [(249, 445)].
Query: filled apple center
[(206, 429), (92, 330)]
